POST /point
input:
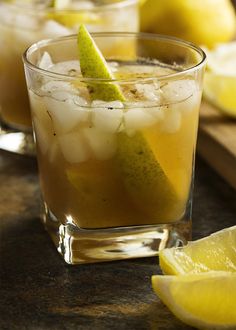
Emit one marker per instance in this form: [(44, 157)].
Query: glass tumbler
[(25, 22), (117, 176)]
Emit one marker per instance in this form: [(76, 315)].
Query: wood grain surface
[(217, 142)]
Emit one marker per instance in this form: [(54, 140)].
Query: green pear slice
[(148, 185), (145, 180), (93, 65)]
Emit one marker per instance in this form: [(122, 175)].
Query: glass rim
[(96, 8), (149, 36)]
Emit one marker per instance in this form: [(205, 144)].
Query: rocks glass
[(116, 177)]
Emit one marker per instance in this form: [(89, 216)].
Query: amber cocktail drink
[(116, 176)]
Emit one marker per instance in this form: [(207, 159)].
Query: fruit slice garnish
[(71, 18), (215, 252), (144, 178), (205, 300), (220, 78), (93, 65)]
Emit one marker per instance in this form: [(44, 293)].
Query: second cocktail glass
[(25, 22), (117, 176)]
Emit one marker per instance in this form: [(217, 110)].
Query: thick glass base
[(79, 246), (17, 142)]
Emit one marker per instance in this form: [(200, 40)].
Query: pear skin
[(145, 181), (93, 65)]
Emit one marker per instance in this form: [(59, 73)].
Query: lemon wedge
[(215, 252), (205, 300), (220, 78)]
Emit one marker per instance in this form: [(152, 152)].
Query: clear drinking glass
[(25, 22), (116, 177)]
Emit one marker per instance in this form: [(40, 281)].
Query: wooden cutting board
[(217, 142)]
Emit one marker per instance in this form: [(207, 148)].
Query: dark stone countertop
[(39, 291)]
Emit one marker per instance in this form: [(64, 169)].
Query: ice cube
[(103, 145), (107, 116), (172, 120), (190, 103), (52, 29), (81, 101), (148, 70), (25, 29), (156, 112), (7, 16), (54, 85), (26, 22), (60, 5), (65, 115), (65, 96), (45, 61), (61, 96), (107, 105), (73, 147), (138, 119), (66, 67), (114, 66), (149, 91), (179, 90), (79, 5), (57, 85), (107, 120)]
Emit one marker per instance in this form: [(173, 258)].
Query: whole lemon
[(204, 22)]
